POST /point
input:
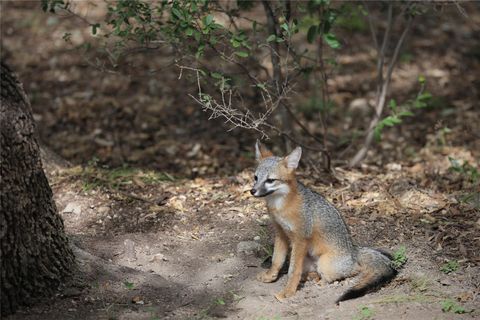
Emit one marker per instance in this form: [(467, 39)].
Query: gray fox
[(314, 229)]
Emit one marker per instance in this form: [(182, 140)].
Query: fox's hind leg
[(310, 269), (336, 267)]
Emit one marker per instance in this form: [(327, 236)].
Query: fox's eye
[(270, 180), (256, 178)]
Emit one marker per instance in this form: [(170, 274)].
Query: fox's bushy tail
[(375, 269)]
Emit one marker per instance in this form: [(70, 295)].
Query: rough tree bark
[(34, 251)]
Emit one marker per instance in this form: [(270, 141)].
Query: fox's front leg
[(280, 250), (299, 250)]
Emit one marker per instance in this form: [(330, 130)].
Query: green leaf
[(189, 32), (331, 61), (242, 54), (393, 104), (216, 75), (399, 257), (312, 33), (378, 132), (208, 19), (213, 40), (262, 86), (235, 43), (391, 121), (271, 38), (449, 305), (425, 96), (197, 35), (200, 51), (406, 114), (421, 100), (331, 40), (129, 285), (177, 13), (421, 79)]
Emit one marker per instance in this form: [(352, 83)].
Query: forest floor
[(156, 201)]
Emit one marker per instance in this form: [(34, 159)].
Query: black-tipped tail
[(376, 271)]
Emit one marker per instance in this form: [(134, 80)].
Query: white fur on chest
[(286, 225), (276, 205), (275, 202)]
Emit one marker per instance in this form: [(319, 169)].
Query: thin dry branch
[(381, 97), (272, 24)]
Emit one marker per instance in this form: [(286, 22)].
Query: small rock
[(264, 219), (130, 250), (103, 209), (158, 257), (138, 300), (71, 292), (359, 105), (394, 167), (248, 247), (445, 282), (73, 207), (256, 238)]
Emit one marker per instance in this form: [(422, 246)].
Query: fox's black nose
[(253, 191)]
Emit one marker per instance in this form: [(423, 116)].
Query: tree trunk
[(34, 251)]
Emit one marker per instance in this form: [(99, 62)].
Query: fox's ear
[(293, 158), (261, 151)]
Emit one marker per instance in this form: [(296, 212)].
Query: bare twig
[(382, 94), (460, 9), (272, 24), (381, 53), (325, 96), (301, 125), (371, 26)]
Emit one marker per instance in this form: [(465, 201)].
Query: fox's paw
[(284, 294), (267, 276), (312, 276)]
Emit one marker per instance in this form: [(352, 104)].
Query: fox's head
[(273, 174)]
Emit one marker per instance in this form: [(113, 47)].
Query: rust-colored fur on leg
[(280, 250), (299, 251)]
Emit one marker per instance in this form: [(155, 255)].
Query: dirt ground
[(156, 199)]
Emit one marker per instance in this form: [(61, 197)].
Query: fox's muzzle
[(261, 193)]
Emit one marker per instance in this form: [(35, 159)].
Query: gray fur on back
[(317, 210)]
